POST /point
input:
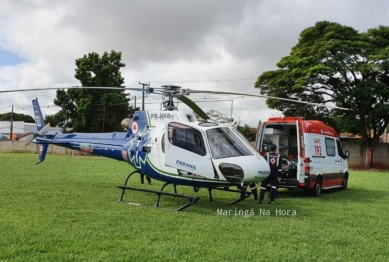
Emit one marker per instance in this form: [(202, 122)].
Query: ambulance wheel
[(316, 191), (345, 182)]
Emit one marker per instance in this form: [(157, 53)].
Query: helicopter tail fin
[(40, 123), (42, 152), (41, 126)]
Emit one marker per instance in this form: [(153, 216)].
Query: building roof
[(20, 127)]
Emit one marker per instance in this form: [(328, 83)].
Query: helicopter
[(171, 146)]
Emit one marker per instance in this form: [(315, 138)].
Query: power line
[(150, 102), (203, 81)]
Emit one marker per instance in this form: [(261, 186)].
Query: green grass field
[(66, 209)]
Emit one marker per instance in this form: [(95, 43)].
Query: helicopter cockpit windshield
[(225, 143)]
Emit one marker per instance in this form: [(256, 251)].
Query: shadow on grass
[(360, 195), (298, 198), (149, 199)]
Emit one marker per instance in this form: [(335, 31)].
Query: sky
[(202, 45)]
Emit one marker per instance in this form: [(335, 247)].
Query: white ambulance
[(312, 155)]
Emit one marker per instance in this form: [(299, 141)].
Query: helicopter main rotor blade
[(193, 106), (264, 96), (184, 92), (73, 87)]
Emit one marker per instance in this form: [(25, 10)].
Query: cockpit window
[(186, 138), (225, 143)]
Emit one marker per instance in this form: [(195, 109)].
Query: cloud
[(195, 44)]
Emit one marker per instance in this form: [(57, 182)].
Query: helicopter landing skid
[(190, 200), (242, 197)]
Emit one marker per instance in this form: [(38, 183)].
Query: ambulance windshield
[(225, 143)]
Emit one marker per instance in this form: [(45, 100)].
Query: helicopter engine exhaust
[(126, 123)]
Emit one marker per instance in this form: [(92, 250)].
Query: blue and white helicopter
[(171, 146)]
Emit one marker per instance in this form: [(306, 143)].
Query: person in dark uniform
[(275, 164), (142, 179), (253, 188)]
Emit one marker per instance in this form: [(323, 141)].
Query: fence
[(357, 158), (18, 146), (358, 155)]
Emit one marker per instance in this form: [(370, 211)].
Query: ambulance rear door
[(301, 151)]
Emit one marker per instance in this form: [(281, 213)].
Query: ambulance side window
[(330, 146), (340, 149)]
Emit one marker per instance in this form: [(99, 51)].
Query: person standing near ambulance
[(275, 164)]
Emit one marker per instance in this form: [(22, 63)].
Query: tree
[(93, 110), (247, 132), (336, 64), (16, 117)]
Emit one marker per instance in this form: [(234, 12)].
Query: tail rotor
[(31, 136)]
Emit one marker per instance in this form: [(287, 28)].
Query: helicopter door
[(185, 150)]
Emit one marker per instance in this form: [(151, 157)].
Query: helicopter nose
[(243, 169), (258, 170)]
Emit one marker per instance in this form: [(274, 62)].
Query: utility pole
[(12, 120), (103, 118), (143, 94)]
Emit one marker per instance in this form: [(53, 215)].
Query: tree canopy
[(247, 132), (17, 117), (333, 63), (93, 110)]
